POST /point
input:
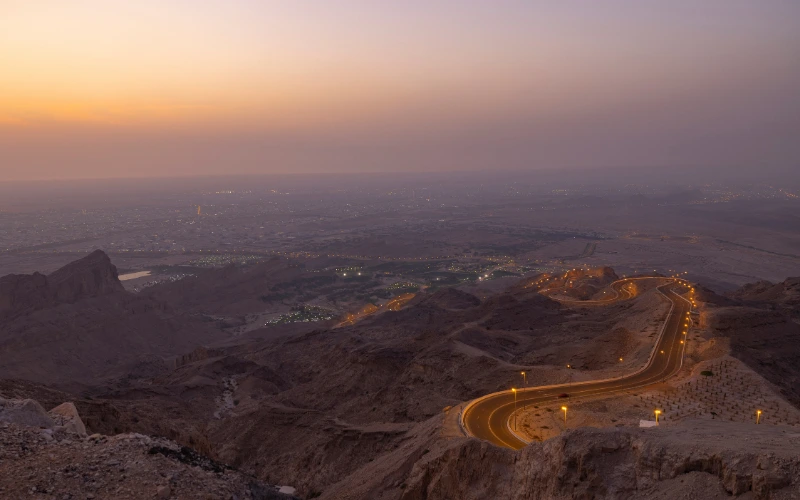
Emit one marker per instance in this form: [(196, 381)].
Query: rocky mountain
[(318, 406), (79, 326), (761, 321), (92, 276), (785, 295), (365, 410)]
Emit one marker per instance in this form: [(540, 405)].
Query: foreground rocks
[(44, 457), (697, 460)]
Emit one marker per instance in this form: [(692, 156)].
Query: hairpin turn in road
[(488, 417)]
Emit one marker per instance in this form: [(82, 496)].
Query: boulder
[(24, 412), (67, 419)]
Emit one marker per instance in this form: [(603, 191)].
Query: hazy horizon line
[(560, 170)]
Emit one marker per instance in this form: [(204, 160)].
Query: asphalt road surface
[(488, 418)]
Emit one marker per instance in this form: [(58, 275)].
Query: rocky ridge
[(48, 456), (79, 326), (91, 276), (696, 460)]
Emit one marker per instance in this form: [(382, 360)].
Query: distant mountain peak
[(90, 276)]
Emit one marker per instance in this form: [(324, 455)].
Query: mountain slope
[(78, 325)]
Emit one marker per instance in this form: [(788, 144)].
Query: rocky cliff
[(699, 459)]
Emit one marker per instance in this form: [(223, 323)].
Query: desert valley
[(315, 375), (370, 250)]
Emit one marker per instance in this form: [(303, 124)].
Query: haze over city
[(372, 250)]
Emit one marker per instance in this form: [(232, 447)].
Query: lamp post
[(564, 409), (758, 417), (515, 407), (657, 412), (524, 378)]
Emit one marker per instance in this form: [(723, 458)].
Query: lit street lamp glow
[(657, 412), (515, 407), (758, 417), (564, 409)]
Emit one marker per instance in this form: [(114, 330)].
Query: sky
[(153, 88)]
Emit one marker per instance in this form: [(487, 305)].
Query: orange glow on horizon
[(108, 88)]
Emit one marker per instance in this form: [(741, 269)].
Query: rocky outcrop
[(784, 296), (618, 463), (63, 419), (787, 291), (66, 418), (92, 276), (761, 320), (201, 353), (78, 325), (709, 297), (36, 464), (509, 312), (24, 412)]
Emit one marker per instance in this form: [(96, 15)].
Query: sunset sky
[(113, 88)]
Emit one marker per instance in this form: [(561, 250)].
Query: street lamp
[(524, 378), (758, 417), (515, 407), (564, 409), (657, 412)]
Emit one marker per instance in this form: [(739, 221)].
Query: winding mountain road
[(488, 417)]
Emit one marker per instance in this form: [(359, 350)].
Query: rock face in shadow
[(79, 325), (761, 319), (766, 340), (22, 292), (512, 313), (91, 276), (708, 296), (784, 295), (706, 460)]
